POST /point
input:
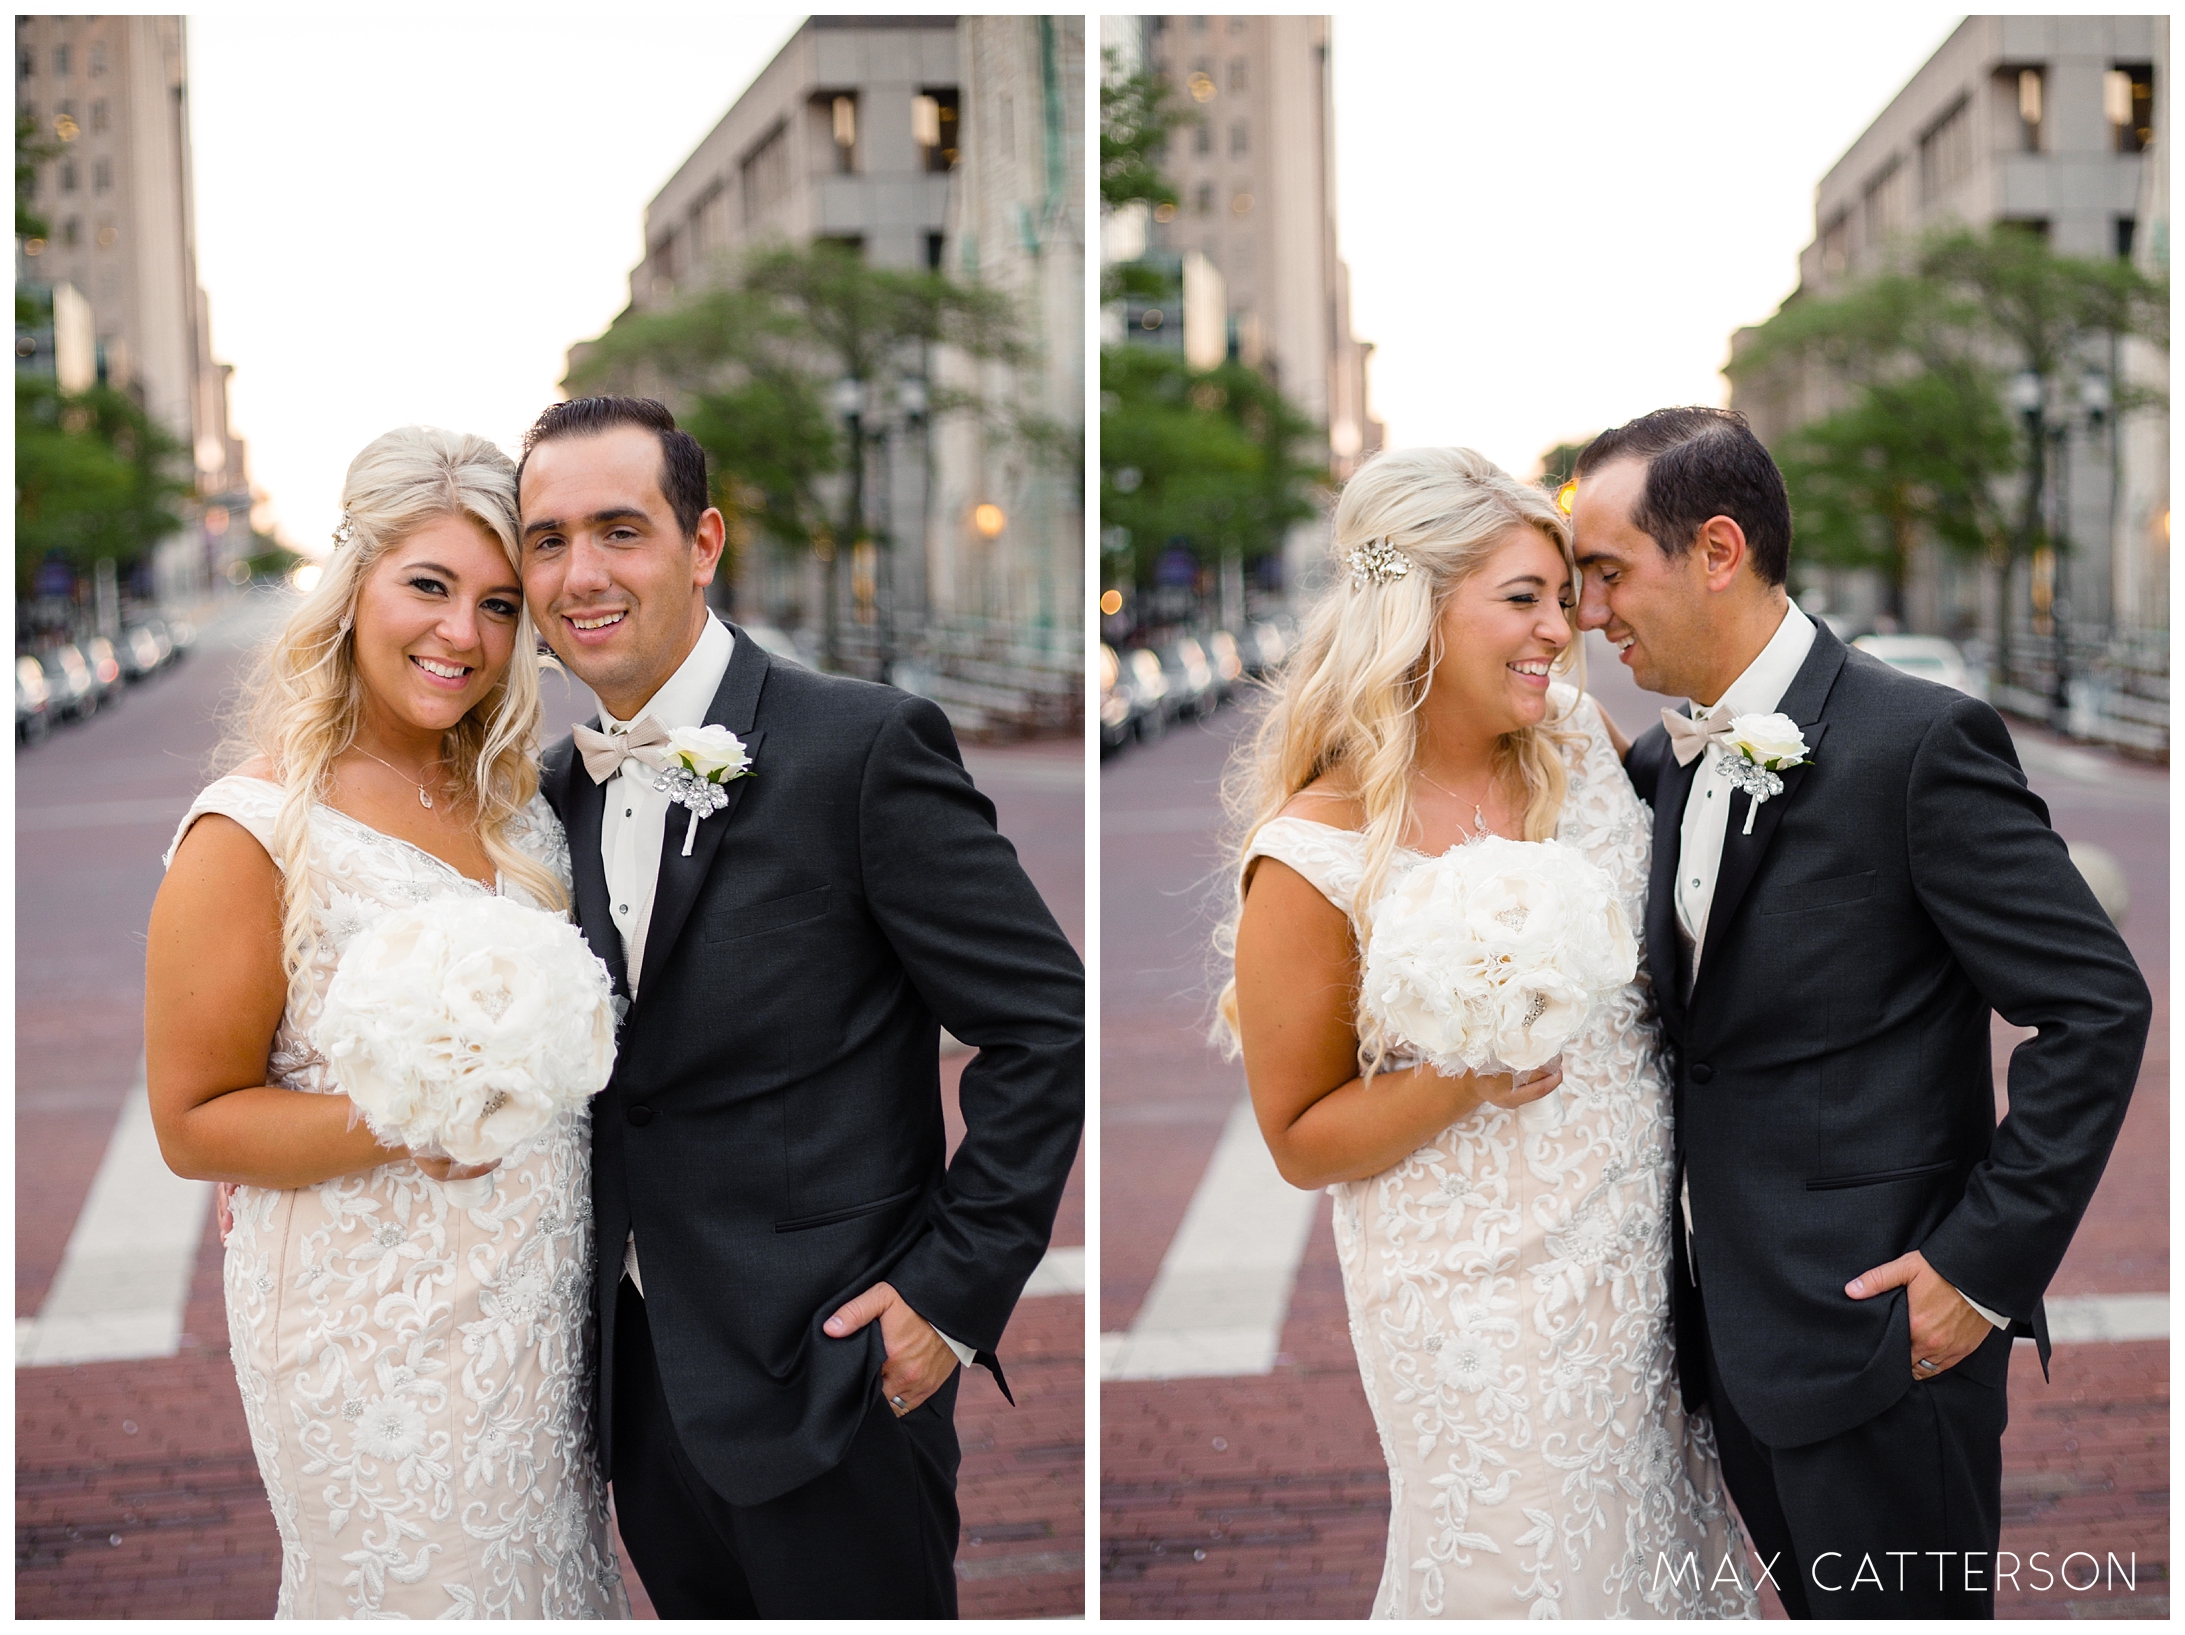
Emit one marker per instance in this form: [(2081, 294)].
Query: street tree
[(1213, 459), (778, 372), (95, 478)]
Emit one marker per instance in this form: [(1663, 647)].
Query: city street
[(1240, 1471), (136, 1491)]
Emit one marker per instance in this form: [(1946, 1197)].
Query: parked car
[(1269, 647), (141, 653), (1190, 678), (105, 664), (1118, 705), (1227, 658), (1156, 704), (183, 634), (1931, 658), (74, 690), (33, 700)]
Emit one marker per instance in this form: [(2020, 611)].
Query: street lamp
[(848, 400)]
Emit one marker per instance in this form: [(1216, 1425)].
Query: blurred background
[(848, 252), (1927, 255)]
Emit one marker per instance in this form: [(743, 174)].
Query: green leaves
[(1208, 457), (94, 477), (1136, 115)]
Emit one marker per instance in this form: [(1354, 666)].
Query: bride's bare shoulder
[(1324, 802)]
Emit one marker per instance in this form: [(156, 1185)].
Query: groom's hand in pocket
[(1945, 1328), (919, 1361)]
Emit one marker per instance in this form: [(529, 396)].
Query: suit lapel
[(583, 804), (1742, 852), (735, 706), (1664, 946)]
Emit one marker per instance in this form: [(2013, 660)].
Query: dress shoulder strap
[(252, 802), (1331, 860)]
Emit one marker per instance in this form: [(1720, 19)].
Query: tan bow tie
[(1689, 736), (604, 752)]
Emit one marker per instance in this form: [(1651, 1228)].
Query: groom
[(1857, 1239), (789, 1270)]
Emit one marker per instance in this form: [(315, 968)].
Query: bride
[(1506, 1278), (416, 1374)]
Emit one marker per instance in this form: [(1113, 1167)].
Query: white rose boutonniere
[(699, 761), (1759, 748)]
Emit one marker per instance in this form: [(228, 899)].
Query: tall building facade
[(1254, 170), (112, 93), (952, 145), (2056, 124)]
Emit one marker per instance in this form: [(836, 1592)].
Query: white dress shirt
[(1759, 691), (634, 825)]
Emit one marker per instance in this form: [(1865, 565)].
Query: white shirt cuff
[(964, 1353), (1996, 1318)]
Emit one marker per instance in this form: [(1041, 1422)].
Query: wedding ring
[(1924, 1363), (897, 1404)]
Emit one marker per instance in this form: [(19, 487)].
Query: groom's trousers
[(875, 1537), (1895, 1518)]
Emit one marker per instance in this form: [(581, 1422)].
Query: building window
[(26, 64), (1240, 74), (1884, 203), (1946, 152), (68, 175), (1202, 138), (60, 62), (2128, 98), (842, 127), (99, 118), (935, 124), (765, 173), (1204, 202), (72, 231), (102, 176), (1836, 243), (1198, 25), (98, 58), (935, 243), (1240, 140), (2025, 92), (2127, 231)]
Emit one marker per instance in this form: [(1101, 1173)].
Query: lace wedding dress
[(417, 1376), (1509, 1305)]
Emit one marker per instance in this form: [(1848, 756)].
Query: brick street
[(136, 1492), (1266, 1496)]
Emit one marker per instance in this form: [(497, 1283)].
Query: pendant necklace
[(1479, 815), (424, 799)]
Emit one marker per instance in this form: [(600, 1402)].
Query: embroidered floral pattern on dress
[(417, 1378), (1508, 1295)]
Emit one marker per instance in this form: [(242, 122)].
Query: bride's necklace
[(1479, 814), (424, 798)]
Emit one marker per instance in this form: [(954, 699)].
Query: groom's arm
[(2001, 887), (980, 946)]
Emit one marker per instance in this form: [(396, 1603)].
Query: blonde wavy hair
[(302, 701), (1346, 706)]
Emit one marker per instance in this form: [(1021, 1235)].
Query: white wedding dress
[(417, 1376), (1509, 1305)]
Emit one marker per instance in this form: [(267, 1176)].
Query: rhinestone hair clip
[(1377, 562), (344, 531)]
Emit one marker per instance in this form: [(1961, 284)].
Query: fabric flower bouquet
[(465, 1026), (1492, 957)]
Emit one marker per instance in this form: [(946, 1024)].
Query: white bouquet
[(1491, 957), (464, 1026)]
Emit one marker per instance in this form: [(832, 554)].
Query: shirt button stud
[(624, 908)]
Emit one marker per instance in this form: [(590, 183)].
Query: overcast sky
[(408, 218), (1555, 217)]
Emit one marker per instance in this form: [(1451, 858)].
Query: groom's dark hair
[(682, 461), (1701, 463)]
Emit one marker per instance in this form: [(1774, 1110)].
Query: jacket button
[(640, 1116), (1701, 1073)]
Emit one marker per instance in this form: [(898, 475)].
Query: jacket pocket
[(1829, 1183), (1831, 893), (851, 1213), (774, 914)]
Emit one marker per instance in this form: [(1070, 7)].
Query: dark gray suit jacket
[(1833, 1088), (773, 1127)]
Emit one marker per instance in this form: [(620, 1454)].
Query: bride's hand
[(1514, 1090), (447, 1169)]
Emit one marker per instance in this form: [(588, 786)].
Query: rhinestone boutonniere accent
[(700, 760), (1759, 748)]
